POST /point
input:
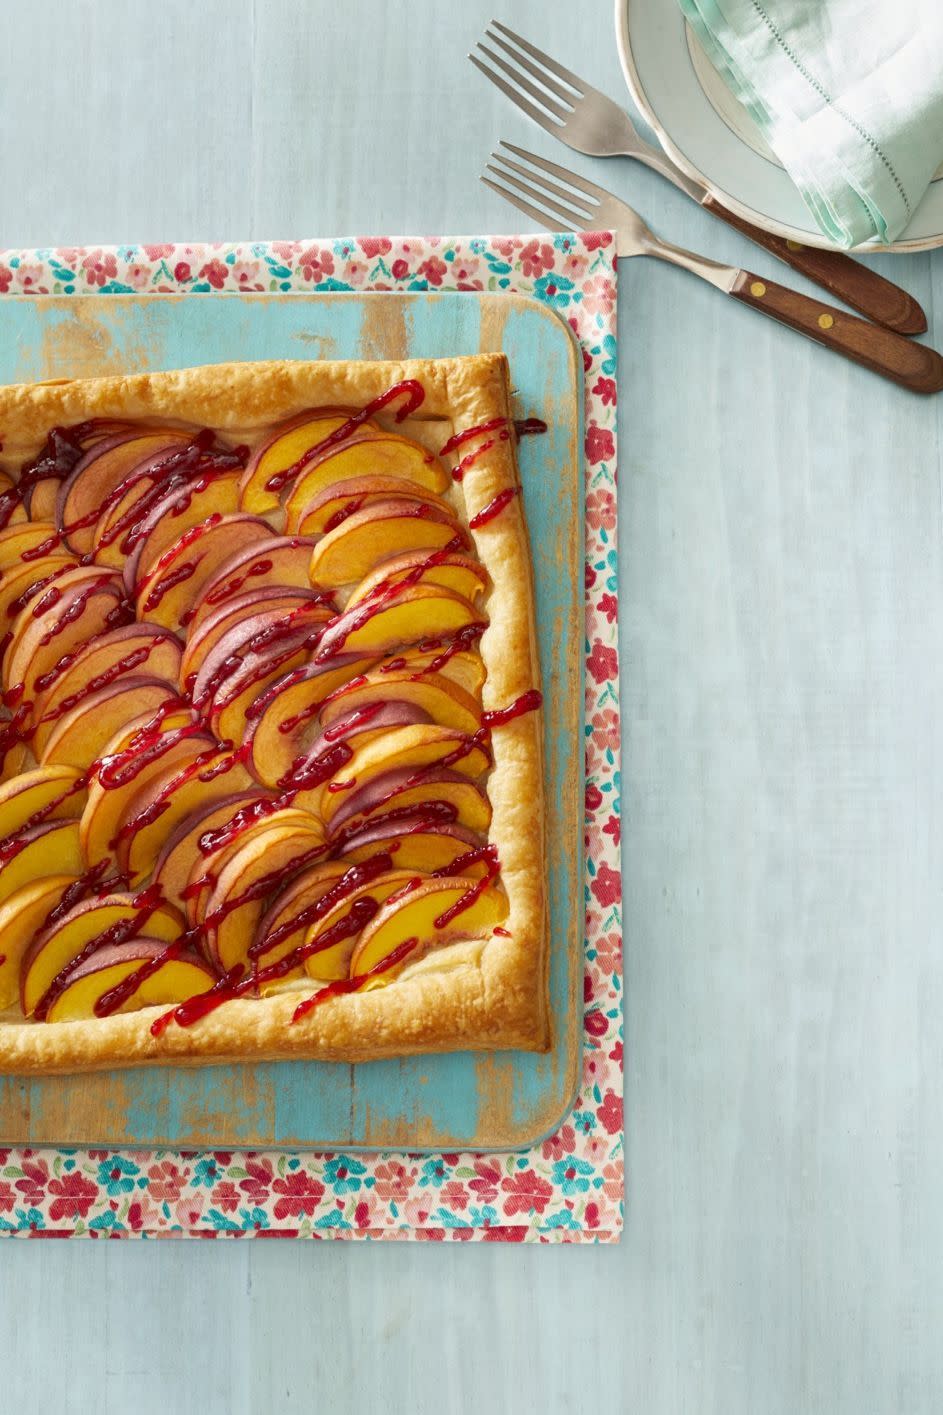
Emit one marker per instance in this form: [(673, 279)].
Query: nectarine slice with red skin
[(282, 562), (181, 851), (376, 454), (169, 799), (45, 793), (23, 584), (80, 735), (209, 864), (170, 586), (207, 627), (441, 787), (23, 536), (366, 724), (414, 748), (338, 500), (284, 447), (425, 849), (162, 983), (55, 948), (411, 615), (442, 700), (419, 914), (465, 668), (353, 549), (22, 915), (16, 514), (333, 962), (52, 848), (98, 475), (459, 573), (288, 906), (131, 650), (60, 621), (253, 873), (284, 717), (144, 537)]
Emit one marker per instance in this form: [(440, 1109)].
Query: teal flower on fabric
[(569, 1173), (116, 1175), (556, 290), (335, 1219), (434, 1172), (206, 1171), (342, 1174), (483, 1217), (563, 1219), (584, 1120), (253, 1218), (107, 1222), (30, 1218), (609, 348), (222, 1224)]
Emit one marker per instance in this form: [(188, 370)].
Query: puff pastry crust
[(470, 994)]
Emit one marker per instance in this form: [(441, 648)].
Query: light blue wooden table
[(782, 603)]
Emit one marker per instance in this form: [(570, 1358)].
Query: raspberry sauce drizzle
[(346, 985), (493, 508), (123, 991), (410, 389)]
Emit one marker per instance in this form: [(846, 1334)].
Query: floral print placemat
[(570, 1187)]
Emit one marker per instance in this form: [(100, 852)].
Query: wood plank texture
[(782, 609)]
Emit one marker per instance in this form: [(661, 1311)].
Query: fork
[(589, 122), (581, 205)]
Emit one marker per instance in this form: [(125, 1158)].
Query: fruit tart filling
[(243, 743)]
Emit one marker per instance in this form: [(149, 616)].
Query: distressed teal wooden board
[(464, 1100)]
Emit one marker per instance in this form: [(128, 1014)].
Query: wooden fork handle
[(845, 278), (915, 366)]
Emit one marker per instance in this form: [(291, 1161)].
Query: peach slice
[(52, 848), (332, 961), (385, 528), (207, 627), (181, 851), (170, 798), (283, 718), (128, 538), (45, 793), (413, 614), (82, 604), (283, 449), (80, 735), (443, 701), (283, 927), (22, 915), (165, 978), (17, 511), (170, 586), (411, 749), (250, 656), (131, 760), (433, 913), (385, 455), (253, 874), (23, 583), (365, 725), (335, 502), (13, 749), (84, 495), (460, 573), (24, 536), (109, 658), (243, 824), (442, 797), (416, 846), (99, 921), (282, 562)]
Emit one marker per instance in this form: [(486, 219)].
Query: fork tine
[(566, 75), (547, 123), (575, 218), (539, 74), (564, 173), (539, 216), (545, 185), (526, 85)]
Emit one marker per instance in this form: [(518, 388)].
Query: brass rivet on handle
[(825, 321), (758, 289), (793, 246)]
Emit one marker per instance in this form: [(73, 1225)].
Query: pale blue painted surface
[(314, 1105), (782, 642)]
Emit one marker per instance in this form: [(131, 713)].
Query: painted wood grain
[(782, 580)]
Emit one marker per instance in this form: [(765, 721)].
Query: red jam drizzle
[(487, 854), (123, 991), (346, 985), (493, 508), (9, 501), (143, 905), (410, 390), (527, 702), (341, 514), (356, 877), (529, 427)]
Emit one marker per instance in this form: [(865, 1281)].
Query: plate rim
[(748, 213)]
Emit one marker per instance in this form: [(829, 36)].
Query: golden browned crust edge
[(471, 995)]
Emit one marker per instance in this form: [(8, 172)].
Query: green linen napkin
[(848, 94)]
